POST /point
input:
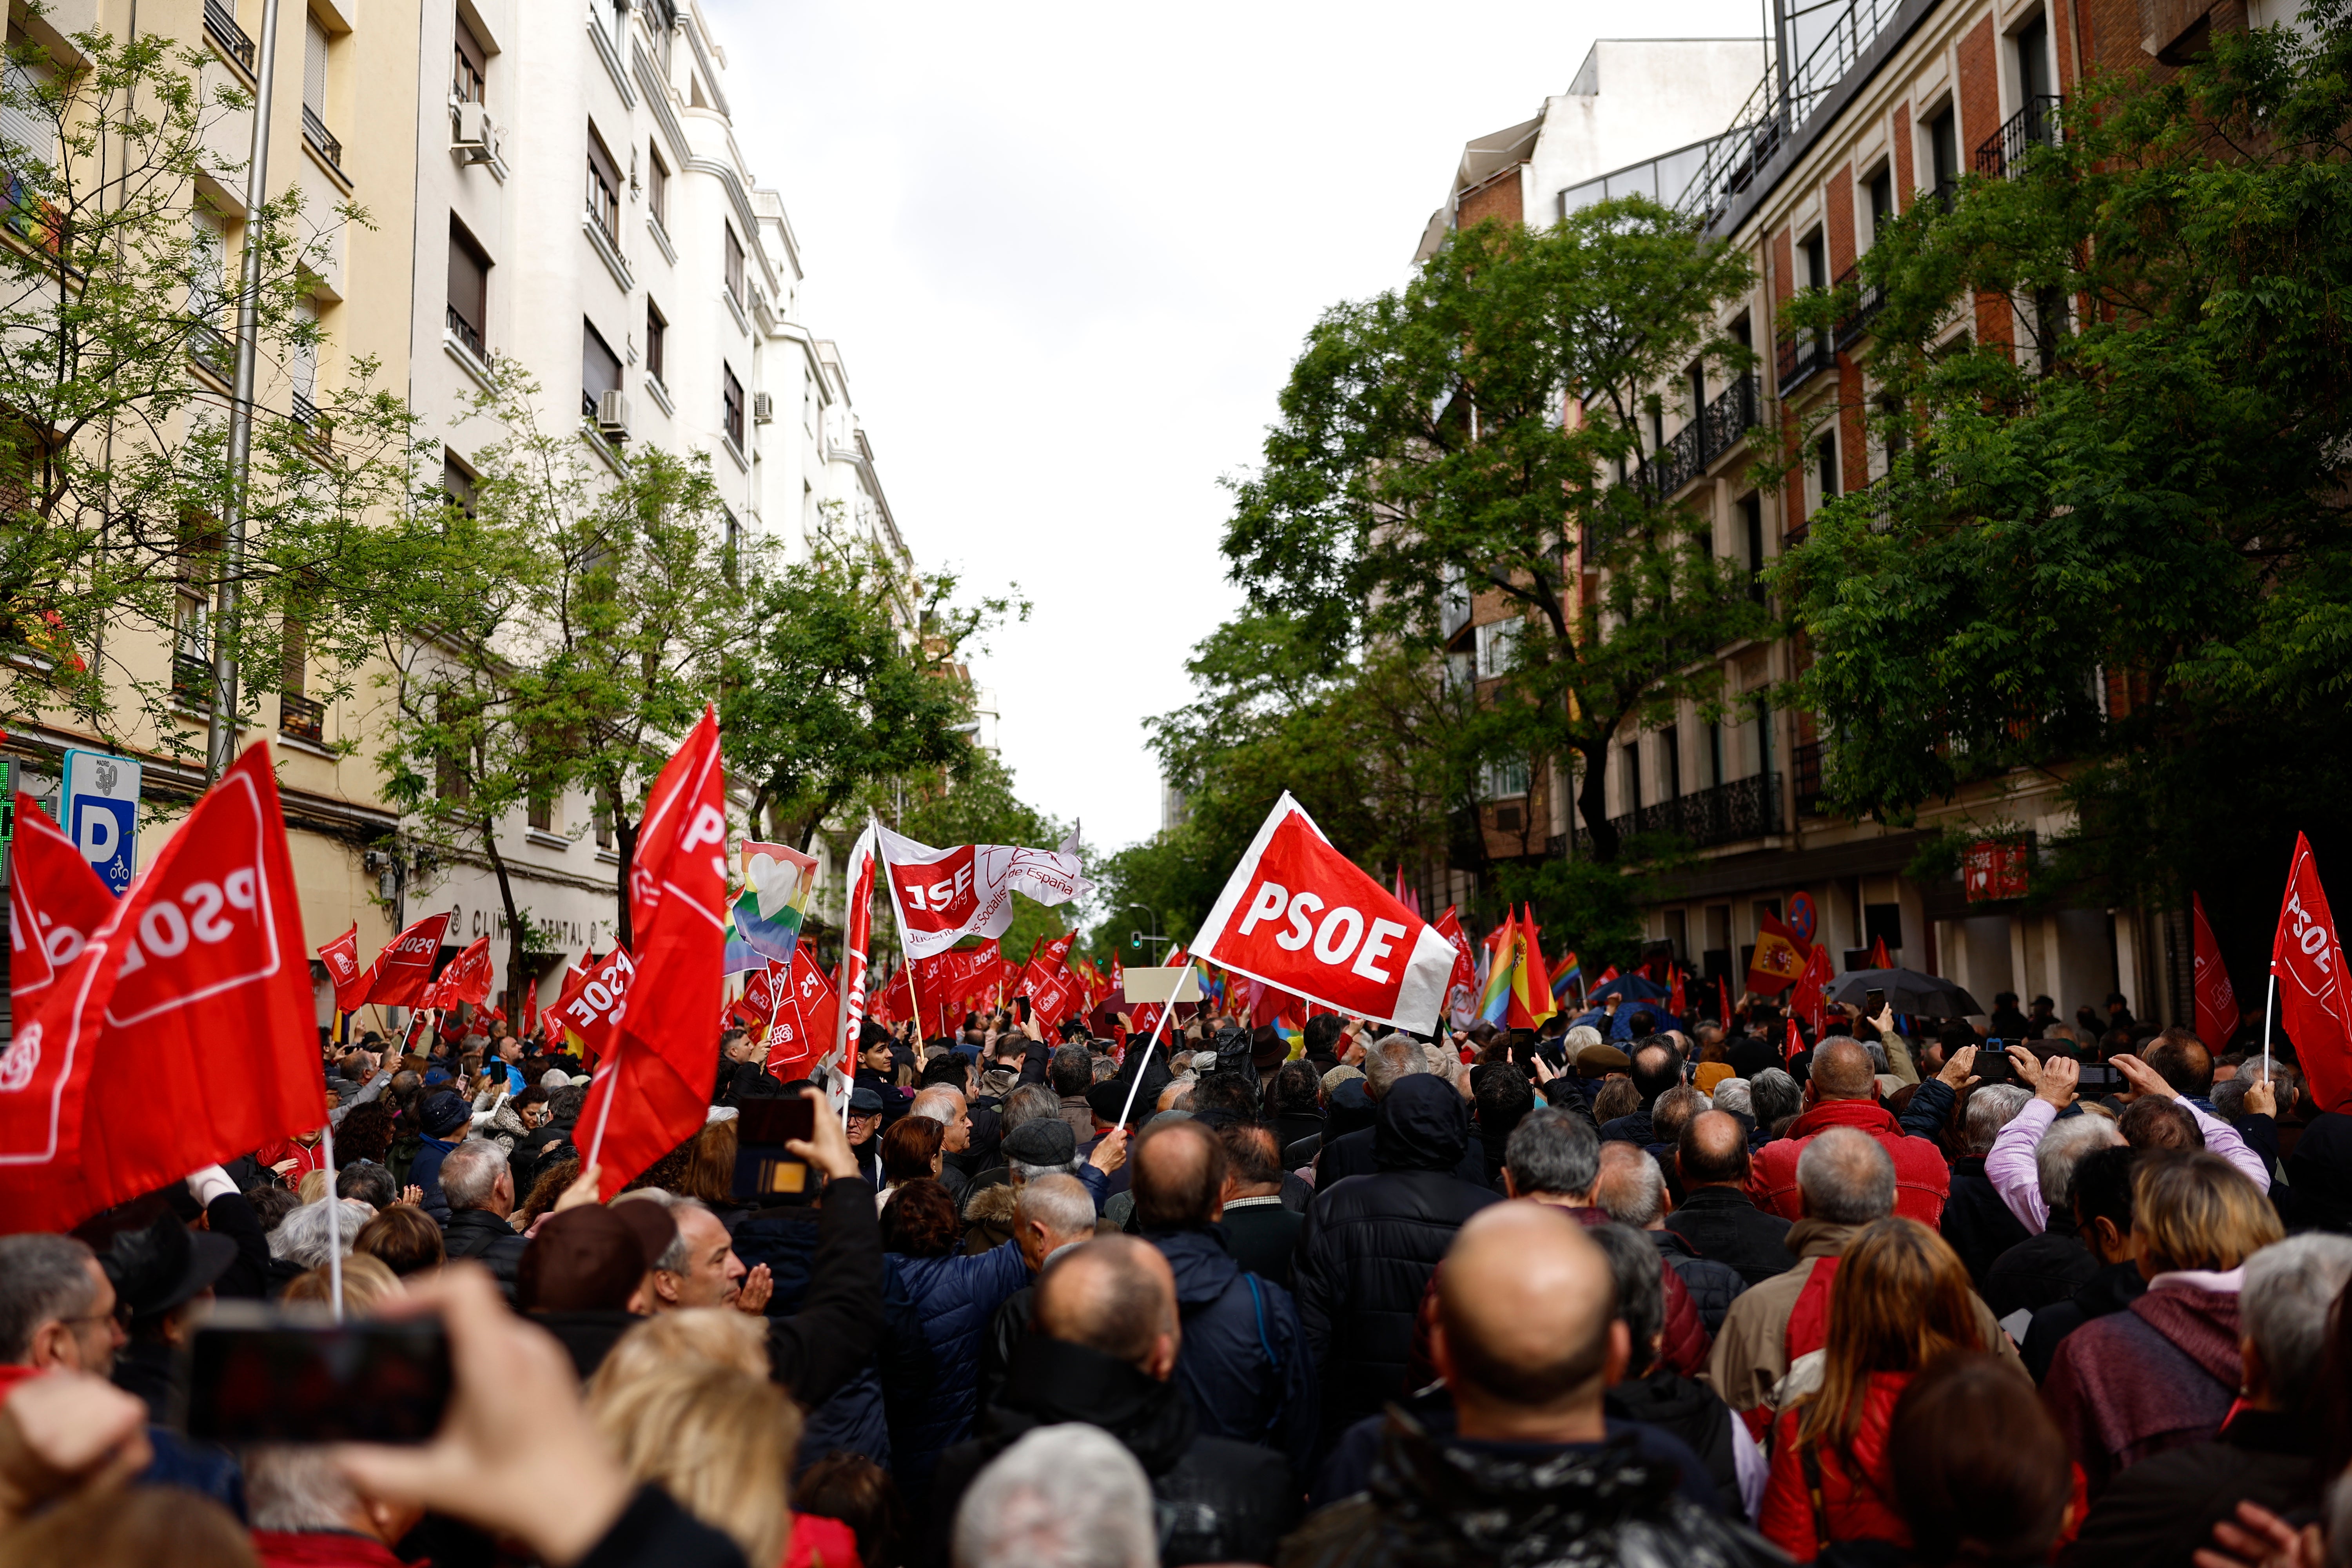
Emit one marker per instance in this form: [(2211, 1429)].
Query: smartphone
[(764, 1166), (1993, 1065), (1021, 1007), (2098, 1078), (1873, 1002), (259, 1372)]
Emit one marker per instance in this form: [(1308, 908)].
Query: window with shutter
[(656, 336), (471, 71), (469, 290), (600, 367), (603, 187), (657, 187), (731, 395), (734, 265), (314, 67)]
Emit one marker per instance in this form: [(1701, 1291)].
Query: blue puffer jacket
[(931, 1400), (425, 1171), (1242, 1357)]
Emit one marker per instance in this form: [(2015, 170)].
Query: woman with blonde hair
[(2164, 1372), (718, 1438), (719, 1335), (1900, 1300), (366, 1280)]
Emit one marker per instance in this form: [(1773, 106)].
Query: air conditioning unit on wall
[(763, 408), (612, 415), (477, 136)]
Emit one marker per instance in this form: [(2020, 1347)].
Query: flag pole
[(334, 1225), (2270, 1001)]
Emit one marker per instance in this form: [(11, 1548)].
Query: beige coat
[(1750, 1350)]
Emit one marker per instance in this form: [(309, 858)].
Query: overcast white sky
[(1069, 252)]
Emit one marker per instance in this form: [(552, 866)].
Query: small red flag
[(2308, 961), (467, 979), (656, 1091), (1722, 999), (341, 957), (1796, 1046), (403, 971), (2217, 1004), (1879, 957), (1677, 1002), (1808, 999), (804, 1020)]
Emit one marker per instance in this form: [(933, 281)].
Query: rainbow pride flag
[(1494, 1002), (1570, 971)]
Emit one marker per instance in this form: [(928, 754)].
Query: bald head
[(1713, 1151), (1526, 1303), (1844, 1177), (1842, 1070), (1115, 1295), (1179, 1176), (1632, 1189)]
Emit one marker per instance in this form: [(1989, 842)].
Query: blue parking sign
[(100, 802)]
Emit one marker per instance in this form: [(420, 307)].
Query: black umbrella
[(1907, 991)]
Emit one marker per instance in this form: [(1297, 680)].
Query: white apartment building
[(583, 208)]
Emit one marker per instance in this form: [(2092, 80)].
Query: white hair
[(554, 1078), (678, 1254), (296, 1490), (470, 1170), (1064, 1496), (932, 1104), (1060, 1200), (1731, 1094), (1992, 1107), (2290, 1289), (300, 1237), (2070, 1141)]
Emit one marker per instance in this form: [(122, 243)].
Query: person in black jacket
[(1657, 1396), (1371, 1243), (1977, 1222), (1528, 1341), (480, 1190), (1244, 1360), (1387, 1063), (1102, 1349), (1656, 1069), (1263, 1228), (2102, 1215), (1632, 1191), (1717, 1217)]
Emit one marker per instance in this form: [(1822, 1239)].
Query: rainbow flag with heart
[(767, 913)]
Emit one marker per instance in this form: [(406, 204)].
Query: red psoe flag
[(2217, 1004), (197, 979), (654, 1093), (1462, 986), (1299, 914), (1809, 998), (341, 957), (595, 996), (403, 971), (2308, 962), (56, 904), (466, 980), (802, 1030)]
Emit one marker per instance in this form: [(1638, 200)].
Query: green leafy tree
[(2115, 550), (119, 285), (850, 680), (1425, 450), (581, 637)]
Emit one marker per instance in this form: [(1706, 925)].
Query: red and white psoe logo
[(212, 928), (938, 895)]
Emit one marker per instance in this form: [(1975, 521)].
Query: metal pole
[(220, 732)]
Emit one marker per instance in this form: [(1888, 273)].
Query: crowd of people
[(1599, 1293)]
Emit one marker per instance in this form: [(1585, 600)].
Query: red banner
[(2217, 1004), (1808, 999), (856, 939), (594, 999), (403, 971), (2307, 961), (55, 903), (655, 1093), (465, 981), (341, 957), (197, 979), (802, 1030), (1299, 914)]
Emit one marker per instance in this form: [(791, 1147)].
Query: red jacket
[(1857, 1485), (1922, 1179)]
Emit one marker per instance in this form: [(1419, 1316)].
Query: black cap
[(155, 1262), (444, 1113), (865, 1101), (1048, 1141)]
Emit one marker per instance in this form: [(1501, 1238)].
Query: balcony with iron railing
[(1804, 355), (2003, 153), (301, 719), (469, 335), (1722, 425), (314, 131), (1724, 814), (1869, 299), (220, 25), (211, 348), (1778, 109)]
